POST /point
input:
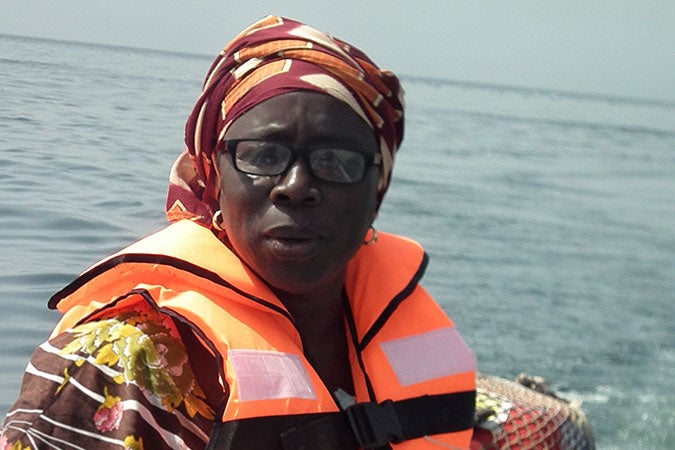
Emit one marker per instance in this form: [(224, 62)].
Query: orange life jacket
[(413, 375)]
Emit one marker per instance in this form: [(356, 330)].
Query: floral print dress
[(121, 382)]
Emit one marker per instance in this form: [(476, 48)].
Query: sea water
[(549, 217)]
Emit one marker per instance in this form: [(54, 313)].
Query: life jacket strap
[(371, 425)]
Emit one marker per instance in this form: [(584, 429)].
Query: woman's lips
[(291, 242)]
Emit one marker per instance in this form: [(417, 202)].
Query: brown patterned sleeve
[(116, 383)]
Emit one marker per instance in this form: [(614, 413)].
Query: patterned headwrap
[(271, 57)]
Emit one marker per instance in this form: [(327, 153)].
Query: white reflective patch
[(263, 375), (427, 356)]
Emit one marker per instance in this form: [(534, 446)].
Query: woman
[(270, 314)]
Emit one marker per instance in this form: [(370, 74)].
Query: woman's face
[(296, 231)]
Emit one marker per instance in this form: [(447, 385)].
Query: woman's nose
[(297, 186)]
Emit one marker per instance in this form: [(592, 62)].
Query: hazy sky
[(618, 47)]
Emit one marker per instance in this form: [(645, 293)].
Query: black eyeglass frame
[(302, 151)]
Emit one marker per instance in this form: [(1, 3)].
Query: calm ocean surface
[(549, 217)]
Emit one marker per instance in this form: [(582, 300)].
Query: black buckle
[(375, 424)]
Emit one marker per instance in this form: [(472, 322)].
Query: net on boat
[(525, 415)]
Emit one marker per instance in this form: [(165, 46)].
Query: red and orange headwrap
[(271, 57)]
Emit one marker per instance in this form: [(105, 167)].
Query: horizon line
[(426, 78)]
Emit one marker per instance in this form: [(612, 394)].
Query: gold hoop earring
[(216, 218), (373, 236)]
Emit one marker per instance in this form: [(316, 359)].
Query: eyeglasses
[(269, 158)]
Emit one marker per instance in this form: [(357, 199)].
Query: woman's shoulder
[(124, 378)]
